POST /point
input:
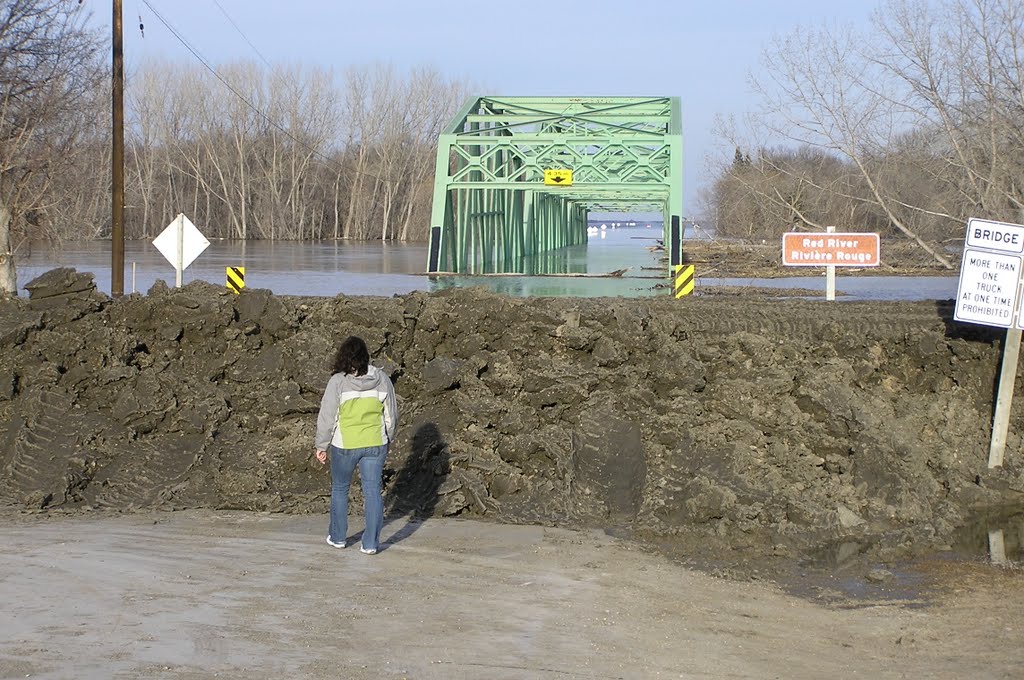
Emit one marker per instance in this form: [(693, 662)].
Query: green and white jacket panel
[(357, 411)]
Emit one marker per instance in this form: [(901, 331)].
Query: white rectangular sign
[(987, 293), (810, 249), (1008, 238)]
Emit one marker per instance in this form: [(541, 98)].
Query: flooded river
[(329, 268)]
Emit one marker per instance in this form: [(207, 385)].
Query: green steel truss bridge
[(518, 176)]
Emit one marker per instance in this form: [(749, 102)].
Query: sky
[(702, 52)]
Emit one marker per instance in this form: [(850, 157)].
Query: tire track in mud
[(37, 434), (49, 466), (145, 476), (812, 321), (806, 320)]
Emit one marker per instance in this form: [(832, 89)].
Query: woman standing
[(358, 416)]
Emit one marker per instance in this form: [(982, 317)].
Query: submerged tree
[(49, 71)]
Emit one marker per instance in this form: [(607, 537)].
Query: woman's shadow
[(414, 493)]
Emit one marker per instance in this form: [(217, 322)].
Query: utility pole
[(117, 158)]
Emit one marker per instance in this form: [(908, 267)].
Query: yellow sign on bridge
[(559, 178)]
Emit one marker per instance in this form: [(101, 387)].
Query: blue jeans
[(371, 467)]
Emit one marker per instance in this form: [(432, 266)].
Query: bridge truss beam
[(491, 205)]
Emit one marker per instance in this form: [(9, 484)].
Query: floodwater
[(998, 536), (996, 539), (329, 268)]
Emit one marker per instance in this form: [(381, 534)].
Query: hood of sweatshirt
[(370, 381)]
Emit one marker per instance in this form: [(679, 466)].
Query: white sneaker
[(368, 551), (336, 545)]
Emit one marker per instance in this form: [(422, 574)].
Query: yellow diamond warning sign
[(561, 178)]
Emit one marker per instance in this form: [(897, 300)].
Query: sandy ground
[(242, 595)]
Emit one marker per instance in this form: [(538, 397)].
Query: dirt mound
[(739, 423)]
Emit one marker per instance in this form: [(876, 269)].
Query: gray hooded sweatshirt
[(357, 411)]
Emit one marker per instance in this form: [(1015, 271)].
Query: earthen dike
[(743, 424)]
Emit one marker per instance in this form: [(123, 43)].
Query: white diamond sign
[(181, 242)]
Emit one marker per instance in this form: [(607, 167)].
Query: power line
[(243, 98), (246, 39)]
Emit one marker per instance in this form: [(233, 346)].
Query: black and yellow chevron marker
[(236, 279), (682, 280)]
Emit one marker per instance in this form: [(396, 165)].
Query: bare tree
[(369, 95), (926, 111), (824, 93), (154, 112), (961, 71), (48, 67), (266, 153), (432, 99)]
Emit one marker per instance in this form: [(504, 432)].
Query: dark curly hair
[(352, 357)]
